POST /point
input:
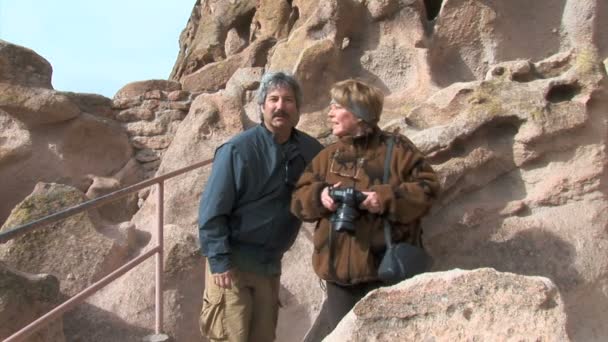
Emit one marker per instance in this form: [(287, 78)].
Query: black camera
[(348, 201)]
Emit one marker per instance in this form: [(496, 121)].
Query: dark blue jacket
[(244, 217)]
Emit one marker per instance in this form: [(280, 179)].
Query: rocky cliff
[(507, 99)]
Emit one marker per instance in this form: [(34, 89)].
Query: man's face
[(280, 111)]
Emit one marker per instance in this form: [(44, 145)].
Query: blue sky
[(98, 46)]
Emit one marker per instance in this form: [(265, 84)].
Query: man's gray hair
[(272, 80)]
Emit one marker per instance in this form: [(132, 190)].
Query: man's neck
[(280, 136)]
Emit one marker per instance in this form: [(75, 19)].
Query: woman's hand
[(372, 203), (326, 200)]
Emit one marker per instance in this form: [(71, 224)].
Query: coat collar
[(368, 140)]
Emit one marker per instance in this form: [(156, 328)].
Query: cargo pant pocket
[(211, 321)]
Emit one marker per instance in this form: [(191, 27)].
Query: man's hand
[(372, 203), (326, 200), (223, 280)]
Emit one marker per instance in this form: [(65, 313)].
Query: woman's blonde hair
[(363, 100)]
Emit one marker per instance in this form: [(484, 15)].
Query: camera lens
[(344, 217)]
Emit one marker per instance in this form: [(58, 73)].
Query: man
[(245, 224)]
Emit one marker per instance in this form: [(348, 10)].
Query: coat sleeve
[(215, 207), (306, 198), (417, 186)]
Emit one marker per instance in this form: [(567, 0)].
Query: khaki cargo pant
[(246, 312)]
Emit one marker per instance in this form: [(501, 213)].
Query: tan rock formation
[(150, 112), (139, 89), (202, 41), (36, 106), (214, 76), (508, 100), (77, 250), (121, 210), (51, 136), (17, 142), (130, 299), (25, 297), (24, 67), (479, 305), (520, 154), (71, 153)]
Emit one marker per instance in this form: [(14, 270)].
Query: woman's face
[(342, 120)]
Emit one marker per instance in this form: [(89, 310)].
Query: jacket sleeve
[(306, 198), (417, 189), (215, 207)]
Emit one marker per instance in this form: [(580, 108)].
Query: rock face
[(25, 297), (522, 155), (457, 305), (512, 116), (52, 136), (507, 99), (74, 250), (23, 67), (150, 112)]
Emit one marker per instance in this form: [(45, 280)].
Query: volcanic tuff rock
[(51, 136), (23, 298), (458, 305), (512, 117), (507, 99), (77, 250), (24, 67)]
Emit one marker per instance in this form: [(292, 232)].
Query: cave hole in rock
[(432, 8), (295, 14), (563, 92), (243, 24)]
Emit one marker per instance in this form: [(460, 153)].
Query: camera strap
[(387, 172)]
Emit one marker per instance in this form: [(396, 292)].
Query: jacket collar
[(371, 139)]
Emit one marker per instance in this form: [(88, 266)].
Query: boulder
[(36, 106), (76, 250), (23, 67), (140, 88), (92, 103), (25, 297), (458, 305), (71, 152), (131, 297)]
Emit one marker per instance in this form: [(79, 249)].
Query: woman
[(347, 255)]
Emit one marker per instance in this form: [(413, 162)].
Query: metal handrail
[(156, 250), (96, 202)]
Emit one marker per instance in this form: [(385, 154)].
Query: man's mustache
[(280, 113)]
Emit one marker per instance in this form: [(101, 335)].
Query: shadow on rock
[(87, 323)]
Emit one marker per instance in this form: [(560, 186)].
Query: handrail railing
[(156, 250)]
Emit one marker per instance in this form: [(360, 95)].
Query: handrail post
[(159, 256)]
